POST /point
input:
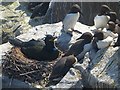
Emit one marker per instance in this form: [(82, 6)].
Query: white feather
[(104, 43), (101, 21), (70, 21), (109, 33)]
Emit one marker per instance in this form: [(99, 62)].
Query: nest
[(16, 65)]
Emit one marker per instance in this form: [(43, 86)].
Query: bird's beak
[(53, 39)]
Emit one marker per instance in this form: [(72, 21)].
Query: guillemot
[(101, 20), (60, 69), (71, 19)]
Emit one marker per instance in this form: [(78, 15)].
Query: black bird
[(60, 69), (78, 46), (39, 50), (40, 10)]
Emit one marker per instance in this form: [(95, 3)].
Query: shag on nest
[(37, 49)]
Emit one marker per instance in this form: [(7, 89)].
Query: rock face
[(13, 83), (17, 20), (59, 10), (13, 20), (102, 72)]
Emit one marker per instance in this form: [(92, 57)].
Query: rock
[(87, 8), (40, 31), (103, 70), (13, 83), (14, 21), (71, 80)]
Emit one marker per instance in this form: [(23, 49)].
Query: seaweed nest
[(16, 65)]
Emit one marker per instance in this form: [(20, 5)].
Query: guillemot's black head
[(113, 16), (75, 8), (105, 10), (70, 61), (87, 36), (99, 35), (111, 26)]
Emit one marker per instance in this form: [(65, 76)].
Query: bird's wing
[(33, 43), (75, 48), (58, 69), (15, 42), (104, 43), (32, 52)]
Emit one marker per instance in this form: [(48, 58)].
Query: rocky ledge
[(102, 72)]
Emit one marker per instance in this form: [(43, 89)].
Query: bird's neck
[(111, 29), (73, 12), (102, 13), (50, 47)]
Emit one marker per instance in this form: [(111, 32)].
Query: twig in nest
[(28, 72), (28, 77), (17, 68)]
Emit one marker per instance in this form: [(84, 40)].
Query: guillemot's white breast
[(70, 20), (109, 33), (101, 21)]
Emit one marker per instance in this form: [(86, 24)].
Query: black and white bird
[(100, 42), (101, 20), (80, 47), (118, 39), (60, 69), (37, 49), (113, 16), (98, 36), (110, 31), (71, 19), (40, 10)]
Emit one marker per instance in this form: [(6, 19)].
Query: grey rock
[(14, 83)]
